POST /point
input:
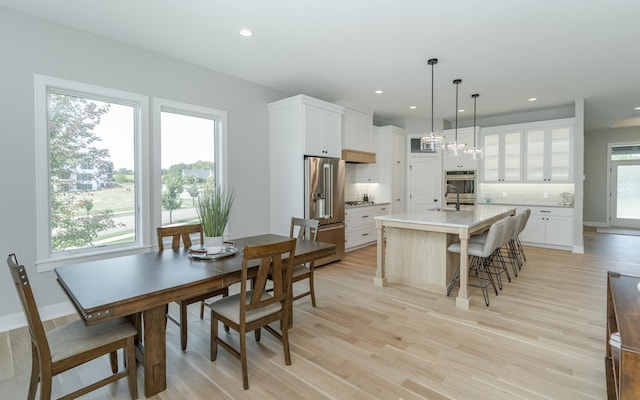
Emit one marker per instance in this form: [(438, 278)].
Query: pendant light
[(455, 149), (429, 143), (475, 152)]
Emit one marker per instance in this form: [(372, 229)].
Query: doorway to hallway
[(624, 207)]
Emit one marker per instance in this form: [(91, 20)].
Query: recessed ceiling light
[(637, 108), (379, 91), (461, 110), (412, 107), (246, 32), (532, 99)]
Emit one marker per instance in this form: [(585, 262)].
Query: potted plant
[(214, 206)]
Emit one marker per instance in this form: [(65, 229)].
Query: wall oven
[(462, 182)]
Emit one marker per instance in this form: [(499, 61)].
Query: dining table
[(143, 284)]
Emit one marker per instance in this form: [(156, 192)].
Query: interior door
[(425, 183), (625, 192)]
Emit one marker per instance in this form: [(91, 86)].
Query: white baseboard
[(578, 249), (596, 224), (15, 321)]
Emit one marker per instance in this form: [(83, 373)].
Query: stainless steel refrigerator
[(324, 201)]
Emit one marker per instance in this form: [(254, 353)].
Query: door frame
[(611, 182)]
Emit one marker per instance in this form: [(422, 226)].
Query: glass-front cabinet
[(549, 153), (502, 155)]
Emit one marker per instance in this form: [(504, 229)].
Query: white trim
[(596, 224), (45, 259), (578, 249), (18, 320)]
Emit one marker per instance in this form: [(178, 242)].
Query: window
[(90, 172), (192, 156)]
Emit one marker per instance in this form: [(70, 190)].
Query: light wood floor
[(542, 338)]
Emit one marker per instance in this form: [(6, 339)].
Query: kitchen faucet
[(452, 189)]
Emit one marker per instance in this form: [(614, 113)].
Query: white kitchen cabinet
[(391, 166), (502, 160), (322, 132), (461, 162), (357, 127), (361, 226), (369, 173), (552, 226), (548, 150), (298, 126)]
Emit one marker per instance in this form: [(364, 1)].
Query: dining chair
[(304, 229), (255, 308), (72, 344), (184, 232)]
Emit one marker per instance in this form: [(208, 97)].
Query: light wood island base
[(412, 248)]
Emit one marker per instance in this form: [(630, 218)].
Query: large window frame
[(219, 117), (47, 259)]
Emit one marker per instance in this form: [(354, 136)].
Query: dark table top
[(114, 287)]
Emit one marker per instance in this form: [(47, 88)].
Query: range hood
[(358, 156)]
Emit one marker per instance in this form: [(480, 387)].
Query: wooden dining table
[(143, 284)]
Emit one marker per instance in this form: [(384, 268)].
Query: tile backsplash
[(544, 194)]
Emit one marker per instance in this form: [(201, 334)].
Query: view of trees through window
[(91, 191), (187, 159), (92, 159)]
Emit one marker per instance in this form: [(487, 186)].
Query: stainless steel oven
[(462, 184)]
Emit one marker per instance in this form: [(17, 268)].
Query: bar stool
[(523, 219), (480, 255)]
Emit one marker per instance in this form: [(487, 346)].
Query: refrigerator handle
[(328, 187)]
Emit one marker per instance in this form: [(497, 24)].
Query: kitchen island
[(412, 248)]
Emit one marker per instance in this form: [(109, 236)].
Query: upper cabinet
[(357, 128), (391, 165), (549, 152), (461, 162), (532, 152), (502, 154)]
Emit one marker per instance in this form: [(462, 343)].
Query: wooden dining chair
[(72, 344), (184, 232), (304, 229), (253, 309)]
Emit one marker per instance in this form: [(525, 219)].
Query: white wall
[(33, 46)]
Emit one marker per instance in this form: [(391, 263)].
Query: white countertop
[(454, 219)]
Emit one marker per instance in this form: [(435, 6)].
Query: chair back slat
[(306, 228), (23, 287), (273, 265), (178, 232)]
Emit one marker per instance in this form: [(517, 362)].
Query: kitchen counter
[(347, 206), (416, 253)]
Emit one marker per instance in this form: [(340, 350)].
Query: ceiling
[(554, 50)]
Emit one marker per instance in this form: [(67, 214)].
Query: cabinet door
[(534, 232), (397, 148), (313, 120), (511, 155), (397, 189), (535, 156), (559, 231), (559, 151), (425, 183), (331, 134), (491, 164)]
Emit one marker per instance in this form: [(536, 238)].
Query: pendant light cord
[(475, 100), (457, 82)]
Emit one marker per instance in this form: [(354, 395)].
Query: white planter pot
[(213, 245)]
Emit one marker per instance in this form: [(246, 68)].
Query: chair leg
[(130, 363), (35, 373), (312, 289), (183, 326), (257, 334), (454, 279), (45, 384), (113, 360), (202, 309), (285, 338), (243, 359), (214, 337)]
